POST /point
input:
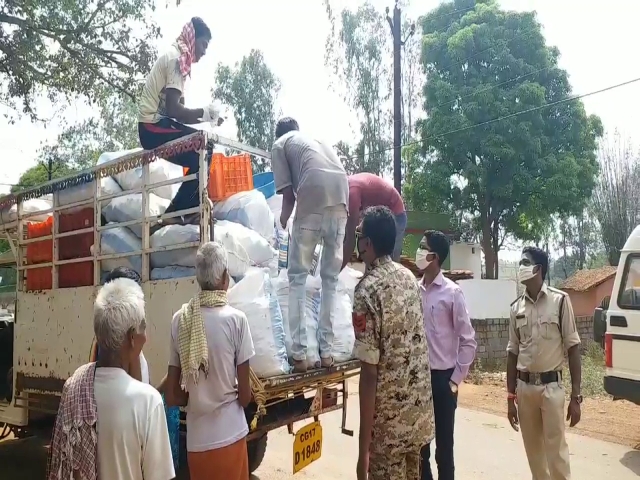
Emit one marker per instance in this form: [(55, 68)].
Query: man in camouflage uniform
[(396, 407)]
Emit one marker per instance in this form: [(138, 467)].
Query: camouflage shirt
[(388, 323)]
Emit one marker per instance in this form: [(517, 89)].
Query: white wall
[(488, 298), (466, 256)]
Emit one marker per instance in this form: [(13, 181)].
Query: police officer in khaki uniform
[(396, 405), (541, 327)]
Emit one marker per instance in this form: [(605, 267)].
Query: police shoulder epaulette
[(517, 298), (558, 291)]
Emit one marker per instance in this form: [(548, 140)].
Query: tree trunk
[(490, 257)]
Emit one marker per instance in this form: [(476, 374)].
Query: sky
[(597, 41)]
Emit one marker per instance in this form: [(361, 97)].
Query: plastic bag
[(174, 235), (29, 206), (249, 209), (238, 258), (254, 296), (129, 207), (120, 240), (257, 247)]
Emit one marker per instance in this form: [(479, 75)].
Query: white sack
[(254, 296), (249, 209), (167, 273), (159, 171), (238, 258), (258, 248), (129, 207), (28, 206), (120, 240), (173, 235), (79, 193)]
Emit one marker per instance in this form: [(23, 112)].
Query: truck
[(619, 318), (58, 263)]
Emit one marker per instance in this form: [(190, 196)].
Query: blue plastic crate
[(264, 183)]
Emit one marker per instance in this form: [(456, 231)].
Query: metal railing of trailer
[(15, 231)]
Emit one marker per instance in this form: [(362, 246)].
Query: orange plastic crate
[(229, 175), (75, 275), (39, 279), (75, 246), (40, 252)]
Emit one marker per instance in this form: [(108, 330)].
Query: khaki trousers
[(542, 416)]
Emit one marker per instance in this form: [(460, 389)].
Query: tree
[(251, 89), (502, 140), (79, 146), (67, 49), (358, 52), (616, 200)]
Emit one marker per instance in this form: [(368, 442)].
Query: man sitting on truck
[(210, 348), (396, 405), (162, 114), (308, 173)]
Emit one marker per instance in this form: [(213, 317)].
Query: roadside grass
[(494, 372)]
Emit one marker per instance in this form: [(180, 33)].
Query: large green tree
[(80, 145), (500, 142), (73, 48), (251, 89), (359, 53)]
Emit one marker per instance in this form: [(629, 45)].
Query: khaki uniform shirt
[(387, 320), (537, 334)]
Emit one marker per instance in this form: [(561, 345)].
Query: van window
[(629, 295)]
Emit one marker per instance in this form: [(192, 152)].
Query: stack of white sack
[(129, 207), (120, 240), (245, 247), (108, 186), (249, 209), (34, 206), (254, 296), (344, 337)]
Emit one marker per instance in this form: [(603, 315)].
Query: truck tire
[(256, 449)]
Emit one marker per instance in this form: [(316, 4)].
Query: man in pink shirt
[(369, 190), (452, 346)]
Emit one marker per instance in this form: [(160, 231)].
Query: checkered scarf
[(187, 45), (192, 338), (74, 445)]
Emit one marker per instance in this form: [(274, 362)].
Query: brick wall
[(492, 335)]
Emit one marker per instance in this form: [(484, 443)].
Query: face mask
[(421, 259), (525, 273)]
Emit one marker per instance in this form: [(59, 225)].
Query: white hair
[(211, 263), (118, 309)]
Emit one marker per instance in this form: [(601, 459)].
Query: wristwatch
[(577, 398)]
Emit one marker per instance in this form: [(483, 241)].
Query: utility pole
[(398, 42)]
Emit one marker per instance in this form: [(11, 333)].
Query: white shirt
[(164, 74), (133, 440), (144, 369), (215, 418)]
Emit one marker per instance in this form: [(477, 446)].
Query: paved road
[(486, 449)]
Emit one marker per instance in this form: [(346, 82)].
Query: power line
[(505, 117)]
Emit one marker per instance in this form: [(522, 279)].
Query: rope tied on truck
[(259, 396)]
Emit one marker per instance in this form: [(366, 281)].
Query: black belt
[(539, 378)]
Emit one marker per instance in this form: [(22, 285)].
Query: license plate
[(307, 446)]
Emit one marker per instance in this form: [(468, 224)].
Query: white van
[(622, 338)]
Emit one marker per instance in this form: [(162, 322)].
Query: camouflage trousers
[(389, 462)]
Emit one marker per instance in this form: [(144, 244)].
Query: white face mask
[(525, 273), (421, 259)]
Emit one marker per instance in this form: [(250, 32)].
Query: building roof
[(586, 279)]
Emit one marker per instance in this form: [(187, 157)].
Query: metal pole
[(396, 31)]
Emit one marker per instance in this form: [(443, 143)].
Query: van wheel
[(256, 449)]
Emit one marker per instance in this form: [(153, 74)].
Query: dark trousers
[(153, 135), (444, 409)]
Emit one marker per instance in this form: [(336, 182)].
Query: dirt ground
[(602, 418)]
